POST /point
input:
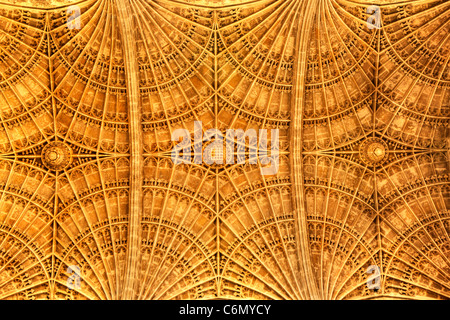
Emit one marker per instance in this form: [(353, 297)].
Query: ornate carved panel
[(89, 189)]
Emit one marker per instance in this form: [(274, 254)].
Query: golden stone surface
[(56, 155), (373, 151), (115, 207)]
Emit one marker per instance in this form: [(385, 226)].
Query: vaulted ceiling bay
[(86, 175)]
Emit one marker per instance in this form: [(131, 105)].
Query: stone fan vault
[(86, 177)]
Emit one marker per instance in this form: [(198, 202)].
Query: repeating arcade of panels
[(69, 212), (201, 65), (91, 111), (390, 88), (225, 230), (229, 69), (26, 204)]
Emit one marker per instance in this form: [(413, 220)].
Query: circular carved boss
[(56, 155)]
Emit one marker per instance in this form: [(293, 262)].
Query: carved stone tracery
[(86, 178)]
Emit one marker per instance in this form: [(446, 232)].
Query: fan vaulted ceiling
[(86, 177)]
